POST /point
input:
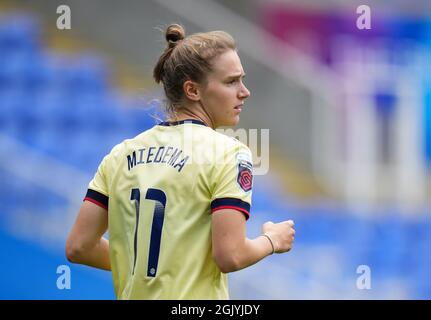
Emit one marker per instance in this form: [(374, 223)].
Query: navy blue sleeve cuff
[(231, 203), (97, 198)]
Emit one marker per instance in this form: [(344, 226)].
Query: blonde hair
[(188, 58)]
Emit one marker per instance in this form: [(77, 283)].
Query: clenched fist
[(281, 235)]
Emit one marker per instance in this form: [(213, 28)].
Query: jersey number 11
[(156, 229)]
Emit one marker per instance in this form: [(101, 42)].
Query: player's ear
[(191, 90)]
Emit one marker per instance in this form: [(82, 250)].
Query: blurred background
[(349, 114)]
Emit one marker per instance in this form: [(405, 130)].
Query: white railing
[(47, 173)]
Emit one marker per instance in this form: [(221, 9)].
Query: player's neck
[(193, 112)]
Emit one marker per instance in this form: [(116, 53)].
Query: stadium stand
[(66, 108)]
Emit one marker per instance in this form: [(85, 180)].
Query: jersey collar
[(175, 123)]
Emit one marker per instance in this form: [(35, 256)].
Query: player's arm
[(233, 251), (85, 244)]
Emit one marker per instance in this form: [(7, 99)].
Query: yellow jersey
[(160, 189)]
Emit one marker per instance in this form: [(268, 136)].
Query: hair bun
[(174, 34)]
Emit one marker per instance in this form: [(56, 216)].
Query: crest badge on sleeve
[(245, 173)]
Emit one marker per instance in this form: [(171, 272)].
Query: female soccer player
[(177, 196)]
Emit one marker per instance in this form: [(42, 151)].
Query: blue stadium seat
[(42, 74), (87, 149), (417, 256), (10, 101), (13, 68), (19, 31), (87, 72), (387, 246), (8, 196), (139, 114), (419, 280)]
